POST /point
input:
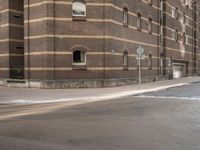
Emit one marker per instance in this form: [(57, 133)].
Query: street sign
[(140, 56), (140, 50)]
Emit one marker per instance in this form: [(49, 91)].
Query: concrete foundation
[(64, 84)]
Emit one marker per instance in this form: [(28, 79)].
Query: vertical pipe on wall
[(194, 38), (159, 40), (28, 42), (54, 42), (104, 44)]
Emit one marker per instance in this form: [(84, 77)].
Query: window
[(199, 63), (79, 57), (169, 62), (198, 42), (190, 3), (0, 16), (79, 8), (183, 2), (187, 3), (139, 21), (150, 62), (175, 13), (150, 2), (184, 38), (125, 16), (199, 9), (175, 35), (150, 25), (184, 18), (161, 5), (125, 59), (199, 26), (161, 34), (161, 30)]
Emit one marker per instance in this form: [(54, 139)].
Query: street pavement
[(160, 120)]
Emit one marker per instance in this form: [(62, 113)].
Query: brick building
[(92, 43)]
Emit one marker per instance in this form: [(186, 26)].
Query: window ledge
[(125, 25), (125, 67), (150, 68), (79, 66), (79, 18)]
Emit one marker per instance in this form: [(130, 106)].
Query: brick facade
[(38, 38)]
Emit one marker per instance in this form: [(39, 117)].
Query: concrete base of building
[(81, 83)]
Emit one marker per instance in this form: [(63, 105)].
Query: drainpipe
[(28, 42), (54, 42), (159, 40), (104, 46), (194, 38)]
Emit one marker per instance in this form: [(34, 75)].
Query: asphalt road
[(163, 120), (189, 91)]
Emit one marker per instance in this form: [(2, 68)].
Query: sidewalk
[(36, 96)]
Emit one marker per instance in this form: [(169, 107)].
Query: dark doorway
[(16, 46)]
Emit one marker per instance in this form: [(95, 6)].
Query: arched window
[(125, 59), (138, 21), (125, 16), (79, 57), (78, 8), (150, 25)]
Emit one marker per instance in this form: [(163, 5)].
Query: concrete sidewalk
[(35, 96)]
